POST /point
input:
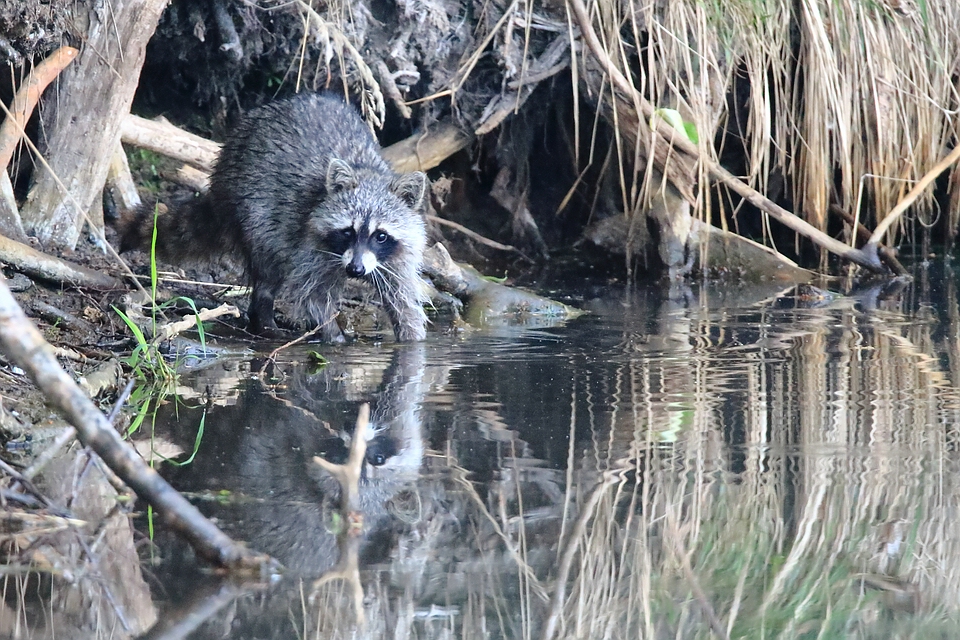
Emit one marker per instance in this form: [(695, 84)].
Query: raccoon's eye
[(381, 236), (347, 234)]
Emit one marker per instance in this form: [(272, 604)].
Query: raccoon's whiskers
[(394, 276), (382, 285)]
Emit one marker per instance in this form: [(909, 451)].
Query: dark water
[(764, 462)]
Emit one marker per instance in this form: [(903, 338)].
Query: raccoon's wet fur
[(301, 195)]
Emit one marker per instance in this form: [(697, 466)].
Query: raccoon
[(302, 197)]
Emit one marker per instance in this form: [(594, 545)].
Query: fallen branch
[(189, 177), (671, 137), (23, 344), (10, 131), (419, 152), (427, 149), (171, 141), (872, 246), (39, 265), (167, 331), (886, 255)]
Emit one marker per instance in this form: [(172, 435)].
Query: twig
[(473, 235), (286, 345), (347, 476), (121, 400), (23, 344), (390, 88), (668, 134), (872, 245), (167, 331), (31, 489)]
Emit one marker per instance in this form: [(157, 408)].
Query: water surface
[(690, 462)]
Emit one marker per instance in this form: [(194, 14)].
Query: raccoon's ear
[(410, 187), (340, 176)]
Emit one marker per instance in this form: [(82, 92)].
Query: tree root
[(12, 128)]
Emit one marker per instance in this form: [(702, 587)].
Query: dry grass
[(851, 100)]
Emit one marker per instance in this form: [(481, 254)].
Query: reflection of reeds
[(836, 517)]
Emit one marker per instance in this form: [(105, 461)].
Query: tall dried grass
[(852, 100)]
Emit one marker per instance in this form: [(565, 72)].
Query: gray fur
[(292, 173)]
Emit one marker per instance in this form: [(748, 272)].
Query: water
[(690, 463)]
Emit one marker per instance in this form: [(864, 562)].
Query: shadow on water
[(696, 463)]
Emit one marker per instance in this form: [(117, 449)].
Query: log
[(84, 129), (420, 152), (40, 265), (171, 141), (425, 150)]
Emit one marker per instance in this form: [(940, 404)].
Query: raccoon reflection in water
[(263, 448)]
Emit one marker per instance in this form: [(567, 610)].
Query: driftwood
[(11, 131), (171, 329), (169, 140), (85, 128), (669, 136), (189, 177), (39, 265), (23, 344), (419, 152), (427, 149), (489, 302)]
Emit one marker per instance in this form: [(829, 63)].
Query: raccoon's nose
[(355, 269)]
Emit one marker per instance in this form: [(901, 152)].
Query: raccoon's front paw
[(410, 333)]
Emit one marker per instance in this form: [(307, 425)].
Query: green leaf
[(675, 120)]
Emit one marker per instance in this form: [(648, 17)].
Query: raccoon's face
[(369, 221), (362, 249)]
